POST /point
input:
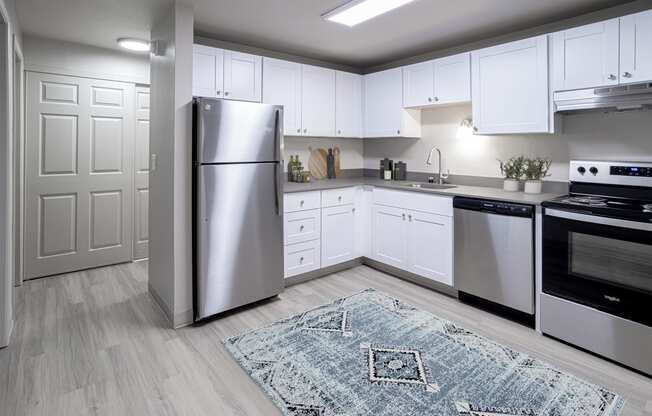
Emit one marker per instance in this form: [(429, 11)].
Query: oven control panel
[(631, 171), (614, 173)]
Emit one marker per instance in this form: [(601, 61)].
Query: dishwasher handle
[(494, 207)]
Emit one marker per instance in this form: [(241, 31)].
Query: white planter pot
[(511, 185), (533, 187)]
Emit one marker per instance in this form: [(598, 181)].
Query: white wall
[(351, 150), (170, 183), (65, 58), (624, 136), (9, 27)]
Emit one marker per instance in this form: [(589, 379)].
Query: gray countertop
[(460, 190)]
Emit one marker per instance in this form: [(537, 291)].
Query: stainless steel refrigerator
[(238, 204)]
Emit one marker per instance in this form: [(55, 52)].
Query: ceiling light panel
[(358, 11)]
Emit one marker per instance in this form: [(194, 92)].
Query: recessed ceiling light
[(133, 44), (358, 11)]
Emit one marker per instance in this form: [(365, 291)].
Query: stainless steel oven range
[(597, 262)]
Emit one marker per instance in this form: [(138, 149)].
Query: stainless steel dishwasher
[(494, 256)]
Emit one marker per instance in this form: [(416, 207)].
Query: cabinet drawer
[(301, 201), (302, 226), (302, 257), (336, 197), (434, 204)]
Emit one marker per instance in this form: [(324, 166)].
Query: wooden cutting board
[(317, 163), (336, 153)]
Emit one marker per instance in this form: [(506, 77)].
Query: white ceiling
[(295, 26)]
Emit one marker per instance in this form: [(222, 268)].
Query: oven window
[(618, 261)]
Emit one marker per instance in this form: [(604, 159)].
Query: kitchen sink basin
[(430, 186)]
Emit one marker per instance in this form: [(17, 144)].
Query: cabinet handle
[(627, 75), (301, 260), (298, 130), (410, 217), (436, 98), (429, 99), (301, 203), (305, 130), (612, 77), (301, 228), (339, 199), (403, 217), (353, 210), (226, 93), (219, 92), (339, 132), (398, 131), (475, 129)]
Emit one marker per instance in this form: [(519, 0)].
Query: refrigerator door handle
[(278, 166)]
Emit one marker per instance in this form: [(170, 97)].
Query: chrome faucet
[(441, 177)]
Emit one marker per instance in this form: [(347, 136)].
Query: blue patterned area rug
[(370, 354)]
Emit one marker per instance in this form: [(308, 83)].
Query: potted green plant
[(535, 170), (512, 170)]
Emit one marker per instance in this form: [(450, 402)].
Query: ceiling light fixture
[(134, 44), (358, 11)]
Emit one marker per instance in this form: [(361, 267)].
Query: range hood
[(617, 98)]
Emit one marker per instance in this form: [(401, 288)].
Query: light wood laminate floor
[(95, 343)]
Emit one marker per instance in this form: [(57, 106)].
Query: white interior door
[(141, 175), (78, 168)]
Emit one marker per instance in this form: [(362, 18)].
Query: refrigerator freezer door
[(239, 236), (237, 131)]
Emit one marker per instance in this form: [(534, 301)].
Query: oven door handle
[(613, 222)]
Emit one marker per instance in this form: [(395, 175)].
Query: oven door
[(600, 262)]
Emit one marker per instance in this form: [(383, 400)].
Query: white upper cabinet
[(636, 47), (586, 56), (243, 76), (442, 81), (452, 79), (207, 72), (217, 73), (348, 104), (318, 101), (282, 86), (384, 115), (510, 88), (418, 84)]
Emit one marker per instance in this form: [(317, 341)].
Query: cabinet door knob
[(339, 199), (436, 98), (627, 75), (301, 260), (612, 77), (353, 210), (398, 131), (410, 217), (226, 93), (219, 92), (475, 129), (339, 132), (305, 130), (298, 130), (429, 99), (301, 203), (403, 217), (301, 228)]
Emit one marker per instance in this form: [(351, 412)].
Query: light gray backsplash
[(618, 136)]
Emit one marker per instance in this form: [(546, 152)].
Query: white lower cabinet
[(429, 240), (302, 258), (338, 235), (406, 237), (389, 236), (406, 230)]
